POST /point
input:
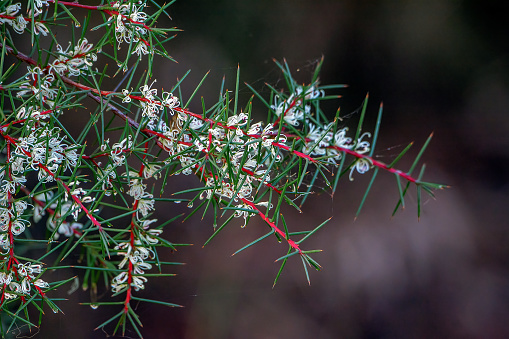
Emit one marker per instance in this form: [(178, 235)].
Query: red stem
[(211, 121), (103, 8), (75, 198), (130, 269), (290, 242), (75, 4)]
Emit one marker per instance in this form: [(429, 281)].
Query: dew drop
[(177, 201), (94, 306), (190, 205)]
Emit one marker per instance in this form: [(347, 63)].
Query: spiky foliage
[(95, 191)]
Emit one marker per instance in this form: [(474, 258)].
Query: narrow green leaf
[(196, 90), (254, 242), (421, 152), (313, 231), (375, 172), (218, 230), (377, 129)]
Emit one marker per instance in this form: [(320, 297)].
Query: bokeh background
[(438, 66)]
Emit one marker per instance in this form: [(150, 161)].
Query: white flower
[(12, 10), (237, 120), (150, 236), (39, 27), (141, 49), (25, 286), (75, 60), (169, 100), (217, 133), (267, 135), (148, 92), (244, 213), (127, 97), (145, 224), (67, 229), (341, 140), (196, 123), (361, 165), (138, 283), (363, 146), (118, 149), (140, 267), (255, 129), (19, 24), (15, 287), (145, 204), (4, 243), (150, 171), (41, 283), (119, 282), (18, 226), (5, 279)]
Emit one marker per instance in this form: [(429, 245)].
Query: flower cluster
[(152, 107), (117, 156), (74, 61), (39, 83), (57, 221), (129, 26), (43, 150), (323, 142), (320, 140), (252, 150), (135, 255), (18, 282), (297, 106), (19, 23), (42, 82), (11, 213), (137, 249)]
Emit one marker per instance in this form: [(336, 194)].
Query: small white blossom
[(146, 204)]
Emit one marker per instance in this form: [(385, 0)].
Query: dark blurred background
[(439, 66)]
